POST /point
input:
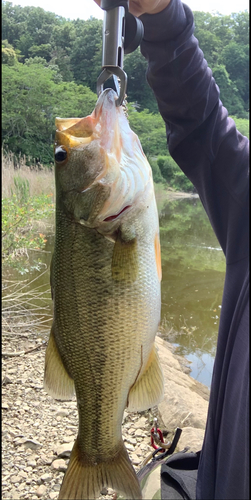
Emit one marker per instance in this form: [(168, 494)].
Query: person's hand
[(139, 7)]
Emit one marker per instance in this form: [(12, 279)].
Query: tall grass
[(27, 209), (40, 179), (28, 195), (26, 307)]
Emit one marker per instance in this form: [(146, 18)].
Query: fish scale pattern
[(103, 329)]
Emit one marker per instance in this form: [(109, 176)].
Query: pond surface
[(193, 269)]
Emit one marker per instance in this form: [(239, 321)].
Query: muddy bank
[(38, 432)]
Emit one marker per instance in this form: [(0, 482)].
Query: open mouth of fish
[(113, 217)]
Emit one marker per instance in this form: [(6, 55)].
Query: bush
[(20, 225), (167, 167), (181, 182), (172, 174), (242, 125), (157, 177)]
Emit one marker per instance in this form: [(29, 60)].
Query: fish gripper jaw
[(122, 34)]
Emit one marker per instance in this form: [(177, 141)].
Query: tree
[(229, 94), (9, 55), (173, 175), (30, 102), (225, 44), (60, 58), (12, 22), (62, 40), (86, 55), (63, 35), (236, 60), (242, 125), (138, 90), (241, 27), (43, 50), (25, 27), (209, 45), (61, 61), (151, 131), (218, 25)]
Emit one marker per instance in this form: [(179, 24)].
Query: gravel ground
[(38, 432)]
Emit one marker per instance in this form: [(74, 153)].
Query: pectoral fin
[(57, 382), (125, 260), (148, 390)]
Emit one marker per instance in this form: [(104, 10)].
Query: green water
[(193, 269)]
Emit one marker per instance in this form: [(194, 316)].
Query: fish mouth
[(113, 217)]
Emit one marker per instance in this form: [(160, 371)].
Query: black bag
[(170, 477), (179, 476)]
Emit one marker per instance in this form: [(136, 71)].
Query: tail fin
[(84, 482)]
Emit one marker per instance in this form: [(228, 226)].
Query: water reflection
[(193, 268)]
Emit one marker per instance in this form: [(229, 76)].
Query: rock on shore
[(185, 402)]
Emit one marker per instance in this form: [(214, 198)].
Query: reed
[(26, 307), (39, 178)]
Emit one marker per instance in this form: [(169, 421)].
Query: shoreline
[(185, 402), (164, 190)]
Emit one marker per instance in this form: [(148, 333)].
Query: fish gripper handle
[(133, 29)]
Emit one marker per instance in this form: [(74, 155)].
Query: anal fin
[(148, 389), (57, 382)]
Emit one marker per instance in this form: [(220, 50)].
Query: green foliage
[(157, 176), (241, 27), (138, 90), (86, 52), (181, 182), (43, 50), (229, 94), (59, 56), (167, 166), (75, 47), (172, 174), (224, 41), (74, 100), (31, 100), (63, 36), (21, 190), (242, 125), (21, 215), (10, 56), (236, 60), (208, 44), (151, 131)]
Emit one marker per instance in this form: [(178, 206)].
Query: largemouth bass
[(105, 280)]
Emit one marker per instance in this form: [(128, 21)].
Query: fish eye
[(60, 154)]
